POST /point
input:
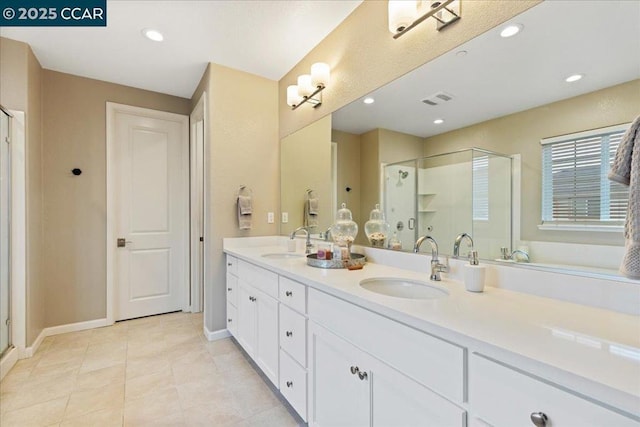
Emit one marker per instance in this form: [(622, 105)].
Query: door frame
[(197, 200), (112, 109)]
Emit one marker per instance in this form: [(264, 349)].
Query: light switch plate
[(285, 217), (270, 217)]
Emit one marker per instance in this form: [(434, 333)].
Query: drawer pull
[(289, 384), (252, 299), (288, 293), (229, 320), (539, 419), (354, 370), (229, 289), (229, 264), (363, 375), (289, 333)]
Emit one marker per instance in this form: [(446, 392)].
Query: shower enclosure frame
[(9, 186)]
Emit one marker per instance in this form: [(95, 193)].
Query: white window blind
[(575, 187), (480, 188)]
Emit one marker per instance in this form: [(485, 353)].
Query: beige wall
[(521, 133), (20, 89), (74, 129), (364, 56), (243, 149), (305, 163), (349, 172), (398, 146)]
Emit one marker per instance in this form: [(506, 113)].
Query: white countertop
[(592, 350)]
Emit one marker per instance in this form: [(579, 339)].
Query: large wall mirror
[(503, 95)]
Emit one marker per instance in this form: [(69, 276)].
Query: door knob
[(289, 384), (122, 242), (289, 333)]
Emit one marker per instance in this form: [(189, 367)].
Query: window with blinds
[(575, 187), (480, 168)]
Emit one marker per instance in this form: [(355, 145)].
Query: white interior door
[(150, 192)]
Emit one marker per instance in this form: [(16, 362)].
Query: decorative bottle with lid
[(377, 229), (344, 230), (394, 242)]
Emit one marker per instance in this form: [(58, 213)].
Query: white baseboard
[(63, 329), (8, 360), (216, 335)]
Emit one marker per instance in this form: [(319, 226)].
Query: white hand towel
[(245, 205), (244, 220), (626, 170)]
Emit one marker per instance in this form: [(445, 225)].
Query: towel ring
[(245, 191)]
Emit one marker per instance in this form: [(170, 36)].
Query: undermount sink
[(282, 255), (403, 288)]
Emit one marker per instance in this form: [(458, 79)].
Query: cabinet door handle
[(363, 375), (288, 293), (354, 370), (289, 333), (229, 320), (229, 264), (289, 384), (252, 299), (229, 289), (539, 419)]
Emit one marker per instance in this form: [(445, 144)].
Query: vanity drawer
[(261, 279), (232, 290), (232, 319), (502, 396), (293, 334), (293, 294), (427, 359), (293, 384), (232, 265)]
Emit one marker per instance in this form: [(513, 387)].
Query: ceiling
[(266, 38), (498, 76)]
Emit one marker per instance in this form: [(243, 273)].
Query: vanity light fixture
[(574, 78), (438, 121), (368, 100), (309, 87), (407, 14), (152, 34), (511, 30)]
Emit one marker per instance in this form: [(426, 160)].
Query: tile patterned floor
[(153, 371)]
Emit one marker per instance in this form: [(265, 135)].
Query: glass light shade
[(320, 73), (292, 96), (305, 88), (402, 13)]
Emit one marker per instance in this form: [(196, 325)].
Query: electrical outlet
[(270, 218), (285, 217)]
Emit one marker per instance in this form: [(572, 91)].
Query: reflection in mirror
[(505, 95), (445, 195), (308, 168)]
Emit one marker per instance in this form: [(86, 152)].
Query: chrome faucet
[(436, 267), (308, 245), (456, 244), (326, 234)]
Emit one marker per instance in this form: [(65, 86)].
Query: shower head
[(403, 174)]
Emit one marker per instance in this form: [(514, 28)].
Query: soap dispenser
[(474, 273)]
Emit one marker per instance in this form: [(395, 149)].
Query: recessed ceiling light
[(152, 34), (573, 78), (438, 121), (511, 30), (369, 100)]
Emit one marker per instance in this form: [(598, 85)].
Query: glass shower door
[(400, 202), (5, 338)]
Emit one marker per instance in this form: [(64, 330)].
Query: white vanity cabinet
[(527, 401), (366, 370), (350, 387), (257, 316), (293, 344), (232, 294)]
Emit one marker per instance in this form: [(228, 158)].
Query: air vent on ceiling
[(437, 98)]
